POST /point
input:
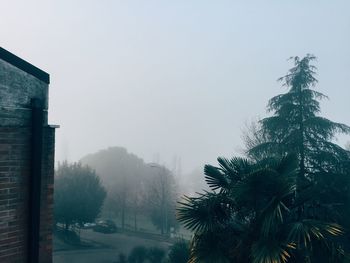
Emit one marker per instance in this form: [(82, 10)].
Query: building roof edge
[(24, 65)]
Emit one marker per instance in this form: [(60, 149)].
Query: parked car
[(89, 225), (105, 226)]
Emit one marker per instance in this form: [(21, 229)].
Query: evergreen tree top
[(296, 125)]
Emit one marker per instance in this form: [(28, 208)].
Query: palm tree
[(250, 216), (297, 127)]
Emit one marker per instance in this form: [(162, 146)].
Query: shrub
[(138, 255), (156, 255), (179, 252)]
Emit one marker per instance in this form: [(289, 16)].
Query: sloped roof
[(24, 65)]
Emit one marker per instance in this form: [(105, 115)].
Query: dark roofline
[(24, 65)]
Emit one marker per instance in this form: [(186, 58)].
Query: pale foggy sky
[(173, 77)]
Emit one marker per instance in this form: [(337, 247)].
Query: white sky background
[(174, 77)]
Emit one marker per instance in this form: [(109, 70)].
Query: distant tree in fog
[(79, 194), (137, 202), (127, 198), (123, 175), (135, 188), (252, 137), (162, 195), (192, 182)]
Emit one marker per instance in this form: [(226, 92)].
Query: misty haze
[(190, 131)]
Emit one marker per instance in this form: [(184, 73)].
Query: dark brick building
[(27, 145)]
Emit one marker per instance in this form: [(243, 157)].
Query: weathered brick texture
[(17, 88), (14, 176)]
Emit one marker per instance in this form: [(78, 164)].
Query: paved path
[(86, 256), (106, 249)]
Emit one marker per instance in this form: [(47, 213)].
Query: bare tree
[(162, 198)]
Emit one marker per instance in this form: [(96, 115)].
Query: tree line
[(115, 184), (287, 200)]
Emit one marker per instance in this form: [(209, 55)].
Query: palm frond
[(208, 247), (304, 232), (205, 212), (272, 217), (215, 178), (271, 251)]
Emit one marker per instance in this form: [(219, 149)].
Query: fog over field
[(174, 79)]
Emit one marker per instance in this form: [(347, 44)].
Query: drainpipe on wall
[(35, 180)]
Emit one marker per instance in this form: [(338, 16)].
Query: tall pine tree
[(279, 205), (296, 126)]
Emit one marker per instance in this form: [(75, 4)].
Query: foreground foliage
[(285, 201), (179, 252), (297, 127), (141, 254), (252, 216)]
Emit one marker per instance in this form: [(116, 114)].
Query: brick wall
[(14, 175), (17, 87), (14, 182)]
